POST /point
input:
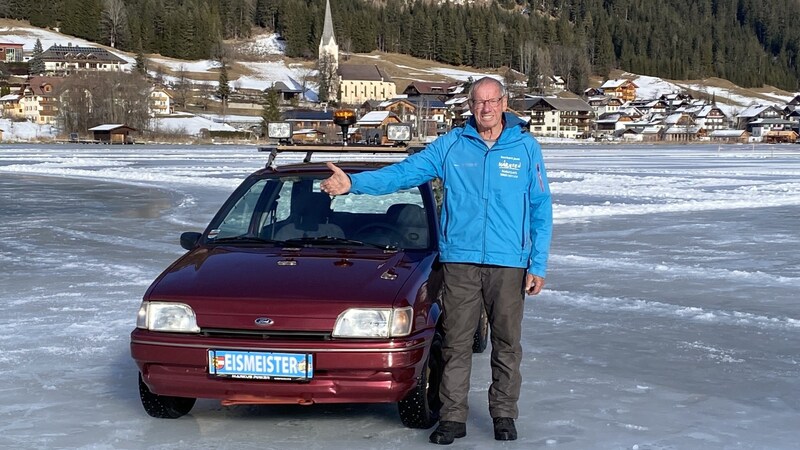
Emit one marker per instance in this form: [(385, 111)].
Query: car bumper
[(344, 371)]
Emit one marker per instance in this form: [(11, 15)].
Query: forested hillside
[(750, 42)]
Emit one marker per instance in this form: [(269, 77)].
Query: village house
[(680, 127), (601, 104), (286, 93), (160, 102), (372, 126), (729, 136), (427, 89), (319, 121), (69, 58), (709, 117), (557, 117), (611, 124), (759, 120), (9, 106), (39, 99), (11, 52), (621, 88), (359, 83)]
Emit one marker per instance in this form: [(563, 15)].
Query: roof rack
[(352, 148)]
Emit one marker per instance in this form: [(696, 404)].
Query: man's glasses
[(493, 102)]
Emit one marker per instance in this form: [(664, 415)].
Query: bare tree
[(183, 86), (88, 99), (347, 47), (306, 75), (114, 20)]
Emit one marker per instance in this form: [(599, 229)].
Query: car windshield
[(293, 210)]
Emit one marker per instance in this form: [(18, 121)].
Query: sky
[(669, 319)]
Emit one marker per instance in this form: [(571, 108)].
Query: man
[(496, 225)]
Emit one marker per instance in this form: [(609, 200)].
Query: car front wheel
[(420, 408), (163, 406)]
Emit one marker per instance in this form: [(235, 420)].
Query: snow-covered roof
[(108, 127), (374, 117), (727, 133), (9, 98)]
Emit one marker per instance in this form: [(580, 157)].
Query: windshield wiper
[(322, 240), (245, 239)]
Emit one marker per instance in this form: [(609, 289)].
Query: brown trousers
[(467, 289)]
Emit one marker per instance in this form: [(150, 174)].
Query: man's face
[(487, 106)]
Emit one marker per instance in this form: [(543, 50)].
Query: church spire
[(328, 37)]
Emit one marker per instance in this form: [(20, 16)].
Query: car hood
[(299, 289)]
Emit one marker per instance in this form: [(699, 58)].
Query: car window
[(376, 204), (237, 221), (295, 207)]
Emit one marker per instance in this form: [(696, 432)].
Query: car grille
[(265, 335)]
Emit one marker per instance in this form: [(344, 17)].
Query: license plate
[(260, 365)]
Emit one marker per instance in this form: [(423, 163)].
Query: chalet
[(602, 104), (620, 88), (9, 106), (113, 133), (558, 117), (160, 102), (709, 117), (287, 93), (729, 136), (69, 58), (593, 92), (609, 124), (372, 126), (358, 83), (756, 112), (442, 91), (38, 100), (11, 52), (649, 106), (405, 109), (780, 137), (313, 120), (308, 136)]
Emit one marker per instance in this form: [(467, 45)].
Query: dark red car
[(290, 296)]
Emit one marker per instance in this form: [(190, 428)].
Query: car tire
[(420, 408), (481, 338), (163, 406)]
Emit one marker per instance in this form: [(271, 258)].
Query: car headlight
[(373, 323), (167, 316)]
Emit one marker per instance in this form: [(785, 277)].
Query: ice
[(670, 318)]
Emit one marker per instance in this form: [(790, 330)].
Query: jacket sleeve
[(410, 172), (541, 207)]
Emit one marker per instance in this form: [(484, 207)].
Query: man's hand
[(533, 284), (338, 183)]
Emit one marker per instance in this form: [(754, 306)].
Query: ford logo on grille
[(264, 321)]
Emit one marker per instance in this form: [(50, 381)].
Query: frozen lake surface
[(670, 319)]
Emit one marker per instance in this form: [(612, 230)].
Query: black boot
[(504, 429), (447, 432)]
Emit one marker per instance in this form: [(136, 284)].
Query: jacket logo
[(264, 321), (509, 166)]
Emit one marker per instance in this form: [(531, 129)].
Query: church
[(348, 84)]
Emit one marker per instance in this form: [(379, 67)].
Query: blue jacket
[(496, 208)]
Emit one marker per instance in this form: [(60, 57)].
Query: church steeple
[(328, 58), (327, 43)]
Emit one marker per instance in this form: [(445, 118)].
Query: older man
[(496, 225)]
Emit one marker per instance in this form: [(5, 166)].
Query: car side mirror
[(190, 239)]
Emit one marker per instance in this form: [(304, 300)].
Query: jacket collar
[(512, 129)]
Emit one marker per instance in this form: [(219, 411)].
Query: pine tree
[(223, 88), (270, 112), (36, 64), (141, 62)]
